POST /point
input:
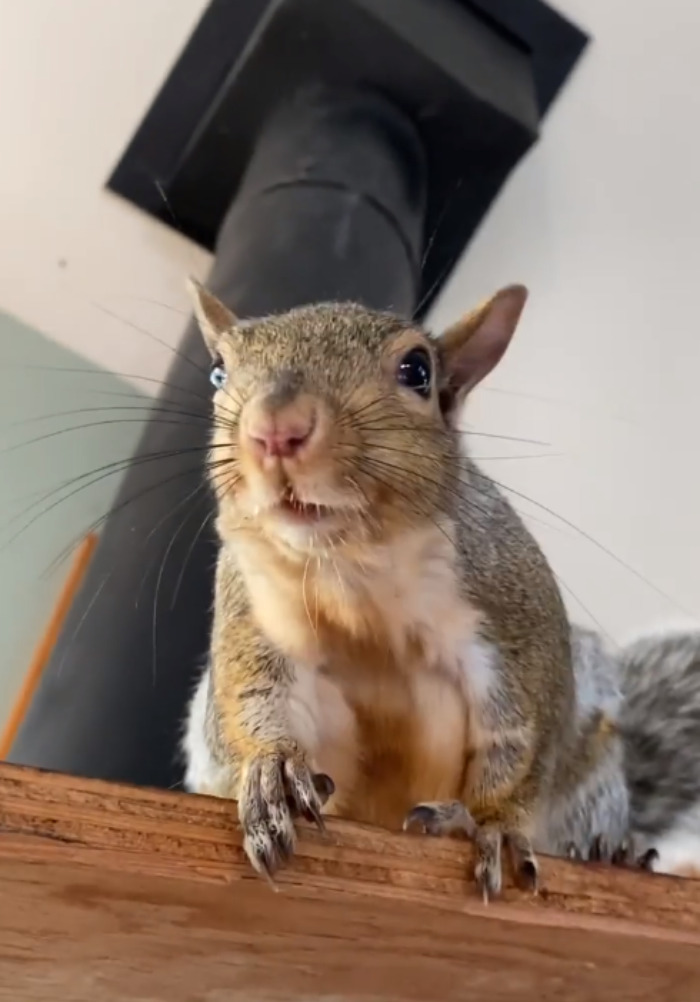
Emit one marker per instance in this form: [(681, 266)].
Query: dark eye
[(217, 376), (415, 371)]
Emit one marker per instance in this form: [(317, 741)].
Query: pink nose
[(280, 434)]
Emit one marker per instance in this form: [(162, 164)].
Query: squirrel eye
[(415, 371), (217, 376)]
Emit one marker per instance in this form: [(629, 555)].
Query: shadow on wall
[(60, 418)]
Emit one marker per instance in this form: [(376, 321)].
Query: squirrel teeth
[(307, 510)]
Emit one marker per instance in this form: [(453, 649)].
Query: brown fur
[(424, 564)]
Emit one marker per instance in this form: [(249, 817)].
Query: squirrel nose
[(281, 433)]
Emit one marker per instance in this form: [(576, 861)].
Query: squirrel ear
[(213, 317), (473, 346)]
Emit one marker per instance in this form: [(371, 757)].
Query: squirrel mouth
[(302, 511)]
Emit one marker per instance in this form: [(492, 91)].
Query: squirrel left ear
[(214, 319), (472, 347)]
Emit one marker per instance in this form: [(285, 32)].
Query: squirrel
[(389, 643)]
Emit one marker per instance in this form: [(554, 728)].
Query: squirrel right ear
[(213, 317), (472, 347)]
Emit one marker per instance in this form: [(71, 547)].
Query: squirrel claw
[(313, 815), (599, 851), (626, 856), (325, 788), (524, 862), (487, 874), (647, 859), (422, 820), (439, 819), (265, 857), (264, 870), (623, 855), (528, 875), (276, 788)]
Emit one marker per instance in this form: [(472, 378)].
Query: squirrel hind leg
[(624, 854), (601, 850), (628, 855)]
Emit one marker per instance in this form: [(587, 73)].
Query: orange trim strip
[(43, 650)]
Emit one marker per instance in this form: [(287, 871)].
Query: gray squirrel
[(389, 643)]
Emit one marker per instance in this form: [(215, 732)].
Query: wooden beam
[(113, 893)]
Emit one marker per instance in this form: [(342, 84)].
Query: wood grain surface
[(115, 893)]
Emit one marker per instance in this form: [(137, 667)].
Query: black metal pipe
[(332, 207)]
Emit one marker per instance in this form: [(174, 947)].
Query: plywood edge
[(48, 818)]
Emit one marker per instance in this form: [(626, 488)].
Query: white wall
[(601, 221), (76, 77)]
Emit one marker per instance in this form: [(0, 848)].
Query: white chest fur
[(412, 703), (392, 726)]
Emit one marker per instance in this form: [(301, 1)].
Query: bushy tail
[(660, 727)]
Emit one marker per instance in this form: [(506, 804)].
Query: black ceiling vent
[(475, 76)]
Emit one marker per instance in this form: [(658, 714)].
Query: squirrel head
[(335, 425)]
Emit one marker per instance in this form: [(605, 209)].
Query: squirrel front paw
[(276, 787), (453, 818)]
